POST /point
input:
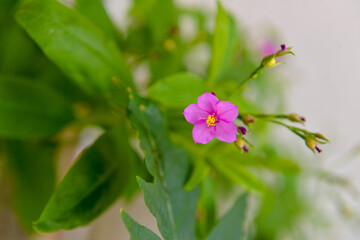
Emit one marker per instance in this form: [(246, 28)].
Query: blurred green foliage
[(65, 69)]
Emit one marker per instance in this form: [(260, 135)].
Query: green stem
[(298, 131), (269, 116), (253, 75)]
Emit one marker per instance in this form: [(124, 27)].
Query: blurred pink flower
[(212, 118), (268, 48)]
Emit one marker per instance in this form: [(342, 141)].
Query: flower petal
[(202, 133), (193, 113), (207, 101), (226, 111), (226, 131)]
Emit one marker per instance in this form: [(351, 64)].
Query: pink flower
[(212, 118), (268, 47)]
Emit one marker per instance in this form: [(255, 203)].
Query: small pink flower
[(268, 47), (212, 118)]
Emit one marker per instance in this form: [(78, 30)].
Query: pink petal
[(226, 111), (202, 133), (226, 131), (193, 113), (207, 101)]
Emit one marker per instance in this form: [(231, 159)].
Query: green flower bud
[(294, 117), (269, 61), (320, 136), (312, 144)]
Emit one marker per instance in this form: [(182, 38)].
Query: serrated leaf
[(178, 90), (31, 109), (231, 226), (224, 43), (137, 231), (91, 185), (173, 207), (76, 46), (31, 171)]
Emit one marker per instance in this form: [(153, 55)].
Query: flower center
[(211, 120)]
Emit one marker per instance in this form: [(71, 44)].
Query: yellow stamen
[(211, 120)]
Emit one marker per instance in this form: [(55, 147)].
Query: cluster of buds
[(241, 141), (270, 60), (312, 140)]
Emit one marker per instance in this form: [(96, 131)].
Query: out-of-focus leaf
[(158, 15), (21, 56), (267, 159), (32, 177), (237, 172), (200, 171), (206, 215), (281, 209), (178, 90), (231, 226), (94, 10), (224, 43), (137, 231), (29, 109), (92, 184), (173, 207), (77, 47)]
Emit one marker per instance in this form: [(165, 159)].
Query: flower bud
[(312, 144), (269, 61), (318, 149), (320, 136), (242, 130), (248, 119), (294, 117), (240, 143), (284, 50)]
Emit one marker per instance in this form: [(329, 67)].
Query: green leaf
[(173, 207), (224, 43), (206, 214), (231, 226), (237, 172), (94, 10), (281, 208), (268, 159), (137, 231), (178, 90), (158, 15), (92, 184), (31, 109), (76, 46), (200, 172), (31, 173)]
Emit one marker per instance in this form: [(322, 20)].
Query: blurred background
[(322, 84)]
